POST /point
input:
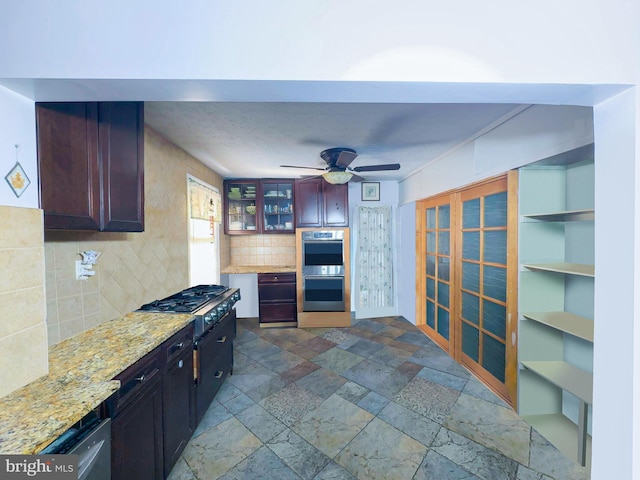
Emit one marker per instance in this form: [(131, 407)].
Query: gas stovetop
[(187, 301), (208, 303)]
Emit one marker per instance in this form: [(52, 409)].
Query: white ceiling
[(252, 140)]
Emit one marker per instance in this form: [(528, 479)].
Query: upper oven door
[(322, 257)]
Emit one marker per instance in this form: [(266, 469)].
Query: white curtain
[(374, 257)]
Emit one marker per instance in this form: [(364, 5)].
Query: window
[(205, 215)]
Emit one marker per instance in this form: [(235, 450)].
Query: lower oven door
[(323, 293)]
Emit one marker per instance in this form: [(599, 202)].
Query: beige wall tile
[(20, 227), (66, 253), (21, 309), (91, 303), (69, 308), (72, 327), (50, 283), (66, 282), (92, 320), (23, 357), (21, 268), (53, 334), (52, 312)]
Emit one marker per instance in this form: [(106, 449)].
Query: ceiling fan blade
[(298, 166), (357, 178), (345, 158), (377, 168)]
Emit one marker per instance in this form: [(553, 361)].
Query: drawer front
[(136, 380), (225, 331), (177, 344), (277, 293), (289, 277), (215, 363), (271, 313)]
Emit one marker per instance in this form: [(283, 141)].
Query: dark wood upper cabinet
[(321, 204), (335, 205), (91, 165), (121, 140), (258, 206)]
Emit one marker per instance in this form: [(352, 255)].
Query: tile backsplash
[(133, 268), (23, 334), (263, 249)]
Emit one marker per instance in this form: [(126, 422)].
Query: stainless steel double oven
[(323, 271)]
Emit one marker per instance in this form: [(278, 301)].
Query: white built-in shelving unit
[(556, 256)]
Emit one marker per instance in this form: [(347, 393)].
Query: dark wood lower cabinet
[(159, 405), (136, 431), (215, 362), (277, 299), (177, 397)]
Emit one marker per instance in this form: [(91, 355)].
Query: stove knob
[(208, 319)]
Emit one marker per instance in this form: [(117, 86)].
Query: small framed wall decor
[(370, 191), (17, 178)]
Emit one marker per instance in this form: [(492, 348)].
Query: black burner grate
[(186, 301)]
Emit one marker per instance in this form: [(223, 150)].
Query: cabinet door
[(177, 397), (121, 135), (277, 206), (211, 371), (68, 170), (242, 207), (136, 448), (308, 196), (336, 205)]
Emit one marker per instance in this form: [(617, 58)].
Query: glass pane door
[(484, 293), (437, 272), (484, 282)]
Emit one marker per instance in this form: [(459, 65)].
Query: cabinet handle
[(180, 363), (180, 345), (219, 374), (223, 339), (141, 378)]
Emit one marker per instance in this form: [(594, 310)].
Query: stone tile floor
[(377, 400)]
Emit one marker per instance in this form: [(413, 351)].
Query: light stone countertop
[(81, 370), (240, 269)]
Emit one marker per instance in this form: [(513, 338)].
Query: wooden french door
[(436, 276), (467, 279)]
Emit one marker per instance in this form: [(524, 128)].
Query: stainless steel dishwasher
[(91, 441)]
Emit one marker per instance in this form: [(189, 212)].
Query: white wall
[(407, 261), (543, 41), (538, 132), (616, 366), (17, 127)]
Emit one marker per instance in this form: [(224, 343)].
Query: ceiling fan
[(338, 171)]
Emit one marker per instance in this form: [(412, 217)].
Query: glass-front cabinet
[(258, 206), (241, 209), (277, 206)]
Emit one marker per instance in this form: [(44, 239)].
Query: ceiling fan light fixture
[(337, 177)]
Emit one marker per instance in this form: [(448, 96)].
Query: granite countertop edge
[(80, 378), (240, 269)]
